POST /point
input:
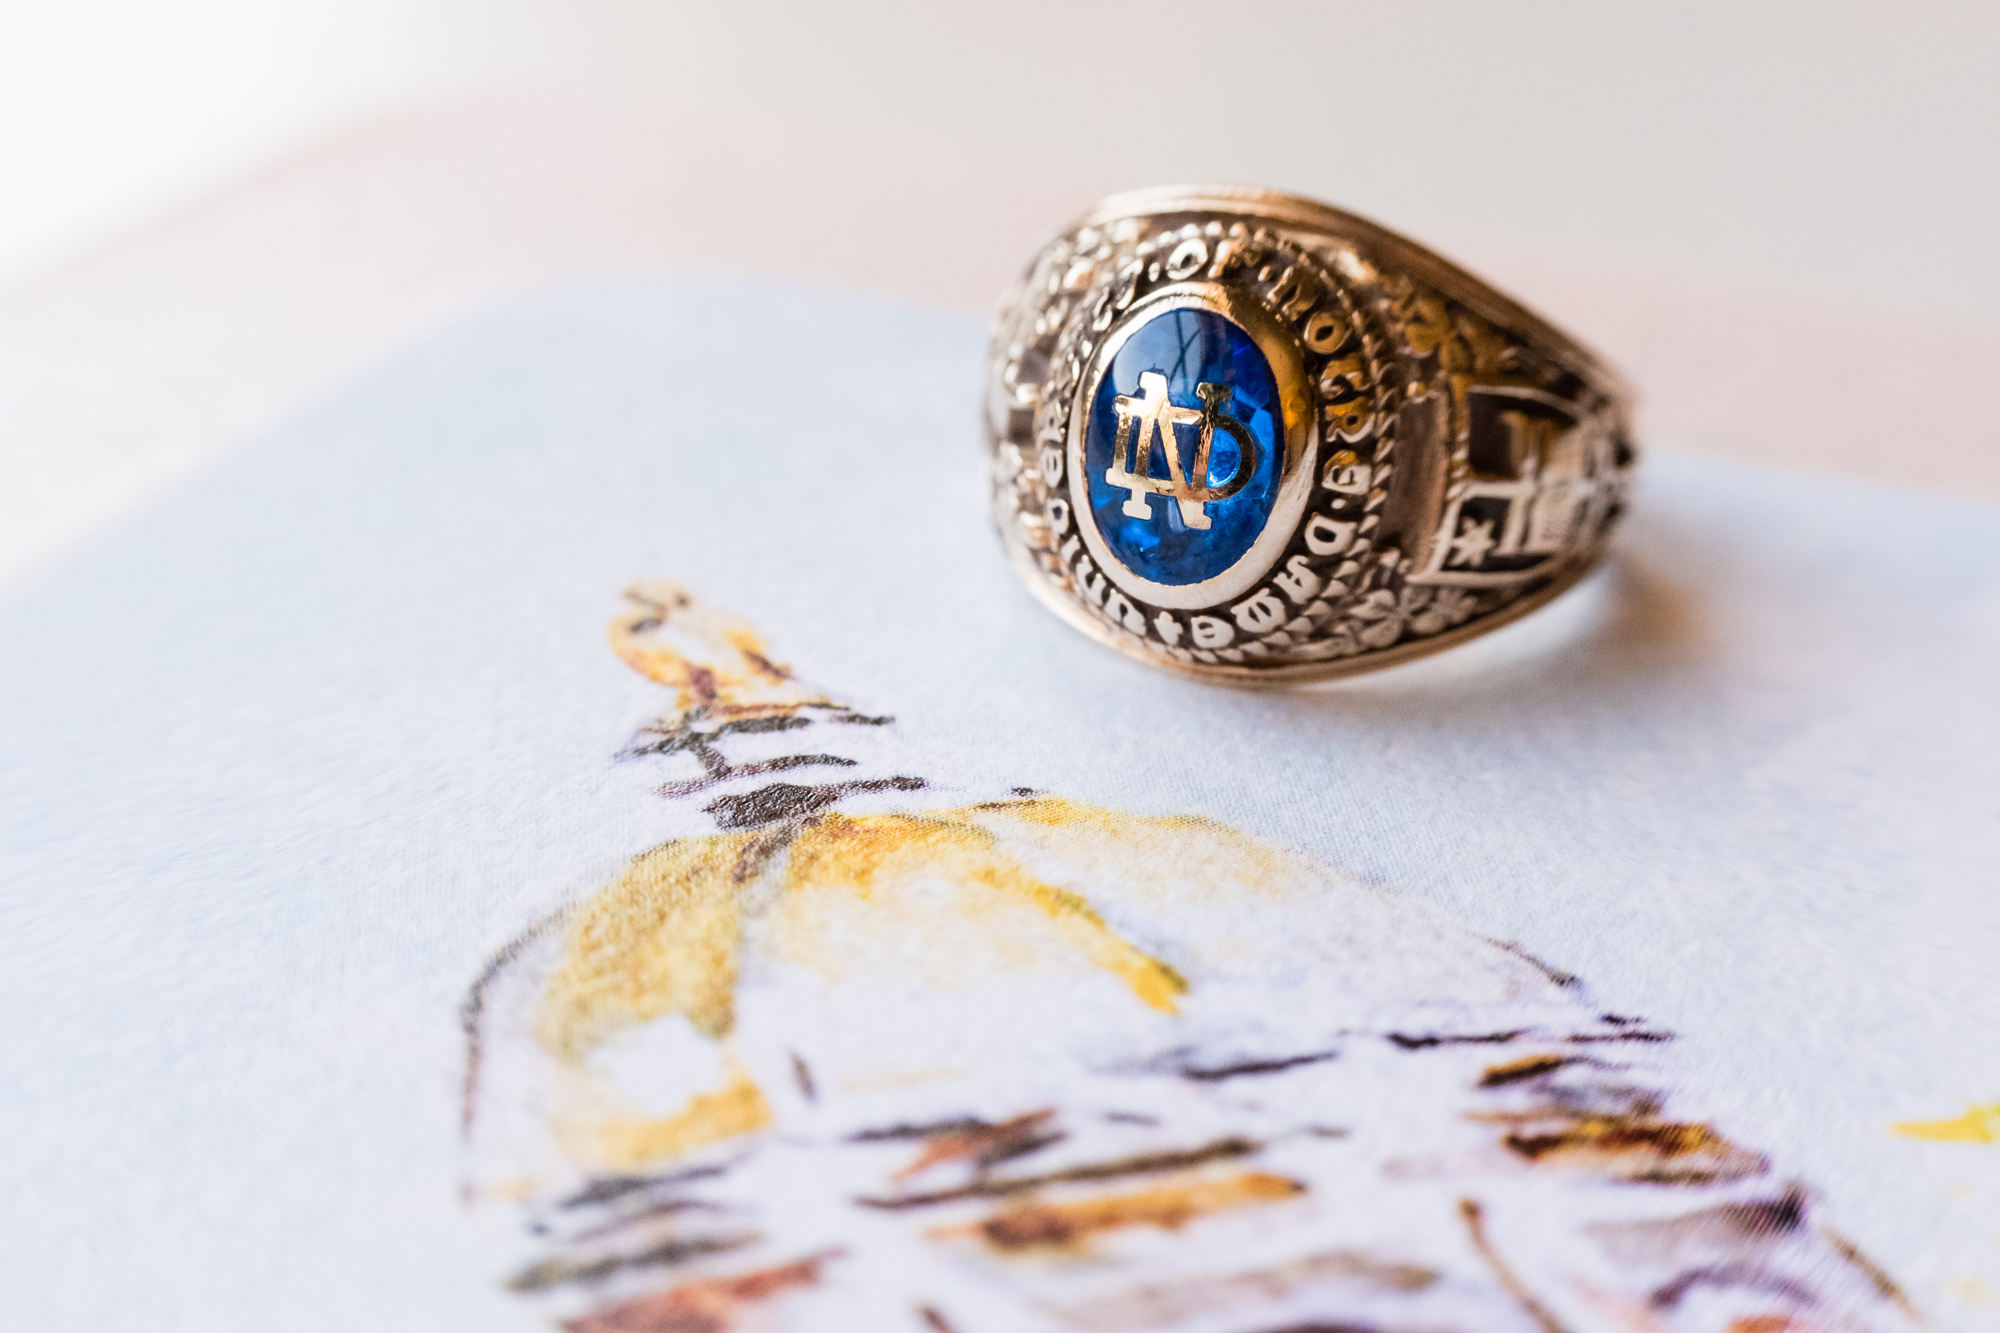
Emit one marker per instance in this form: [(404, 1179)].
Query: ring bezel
[(1296, 398)]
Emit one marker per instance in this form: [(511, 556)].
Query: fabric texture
[(292, 759)]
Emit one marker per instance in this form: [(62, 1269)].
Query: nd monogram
[(1141, 419)]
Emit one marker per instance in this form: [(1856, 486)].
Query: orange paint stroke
[(699, 1307), (1168, 1206), (1636, 1148), (983, 1142), (627, 1143), (1764, 1323)]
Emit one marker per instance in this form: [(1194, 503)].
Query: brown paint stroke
[(1143, 1164), (1167, 1206), (1170, 1303), (1885, 1286), (472, 1015), (1725, 1228), (1527, 1067), (1503, 1272), (1649, 1151), (1566, 980), (606, 1188), (700, 1307), (1626, 1034), (892, 1133), (652, 1212), (802, 1075), (987, 1145), (1254, 1068), (1424, 1041), (557, 1272), (1734, 1277), (786, 800), (724, 772)]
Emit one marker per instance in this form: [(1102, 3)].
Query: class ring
[(1247, 437)]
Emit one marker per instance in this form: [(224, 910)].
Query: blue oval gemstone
[(1184, 448)]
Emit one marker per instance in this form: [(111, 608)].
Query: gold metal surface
[(1451, 460)]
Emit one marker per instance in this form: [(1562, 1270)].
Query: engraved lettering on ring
[(1326, 536)]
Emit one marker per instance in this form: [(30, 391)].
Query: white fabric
[(286, 757)]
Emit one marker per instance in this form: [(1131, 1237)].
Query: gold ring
[(1247, 437)]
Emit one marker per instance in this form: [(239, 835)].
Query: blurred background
[(1840, 149), (1783, 218)]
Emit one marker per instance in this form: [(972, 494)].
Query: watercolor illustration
[(867, 1047)]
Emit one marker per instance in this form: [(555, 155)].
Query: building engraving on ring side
[(1534, 467), (1540, 477)]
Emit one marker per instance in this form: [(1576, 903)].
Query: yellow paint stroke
[(715, 664), (625, 1143), (1973, 1291), (1979, 1124), (1168, 1206), (1177, 851), (660, 939), (932, 897), (941, 890)]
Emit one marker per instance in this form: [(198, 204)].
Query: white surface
[(137, 367), (284, 755)]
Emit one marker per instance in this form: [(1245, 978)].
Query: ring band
[(1248, 437)]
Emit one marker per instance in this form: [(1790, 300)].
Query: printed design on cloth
[(872, 1049)]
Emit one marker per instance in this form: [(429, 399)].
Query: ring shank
[(1453, 460)]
